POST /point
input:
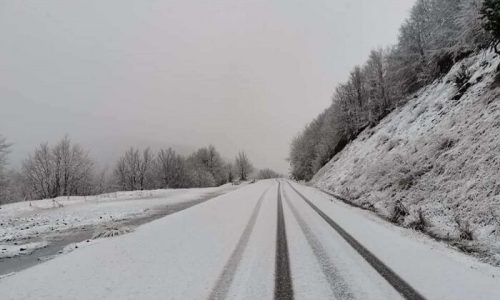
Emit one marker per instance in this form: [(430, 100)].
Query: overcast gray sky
[(242, 75)]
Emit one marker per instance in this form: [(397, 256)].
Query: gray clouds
[(237, 74)]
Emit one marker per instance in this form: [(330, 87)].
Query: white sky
[(237, 74)]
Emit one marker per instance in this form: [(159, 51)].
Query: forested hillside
[(437, 34), (434, 164), (414, 134)]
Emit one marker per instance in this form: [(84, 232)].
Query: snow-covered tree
[(209, 160), (200, 177), (63, 170), (472, 33), (268, 174), (72, 168), (133, 170), (230, 172), (170, 169), (145, 169), (243, 165), (38, 169)]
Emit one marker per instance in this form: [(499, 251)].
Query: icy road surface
[(268, 240)]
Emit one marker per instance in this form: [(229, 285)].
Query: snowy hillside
[(434, 163)]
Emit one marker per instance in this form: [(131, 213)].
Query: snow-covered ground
[(26, 226), (434, 163), (176, 257), (225, 249), (8, 251)]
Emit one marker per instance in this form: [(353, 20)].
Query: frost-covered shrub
[(111, 231), (416, 220), (399, 212), (462, 81), (464, 229)]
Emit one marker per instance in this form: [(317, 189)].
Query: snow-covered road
[(266, 240)]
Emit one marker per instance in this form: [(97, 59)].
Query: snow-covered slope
[(434, 163)]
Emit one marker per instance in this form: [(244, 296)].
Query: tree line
[(66, 169), (437, 34)]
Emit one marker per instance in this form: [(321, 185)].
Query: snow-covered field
[(26, 226), (434, 163), (225, 248)]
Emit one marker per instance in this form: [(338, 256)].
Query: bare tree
[(229, 172), (145, 169), (243, 165), (38, 169), (102, 182), (4, 150), (64, 170), (170, 169), (133, 171), (121, 174), (216, 165), (72, 170)]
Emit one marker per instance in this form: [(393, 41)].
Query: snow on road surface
[(324, 265), (435, 269), (226, 248)]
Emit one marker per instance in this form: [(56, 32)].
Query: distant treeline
[(66, 169), (437, 34)]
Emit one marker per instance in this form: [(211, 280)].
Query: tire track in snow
[(338, 285), (403, 288), (225, 279), (283, 289)]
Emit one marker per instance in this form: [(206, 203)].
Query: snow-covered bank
[(33, 222), (434, 163), (8, 251)]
